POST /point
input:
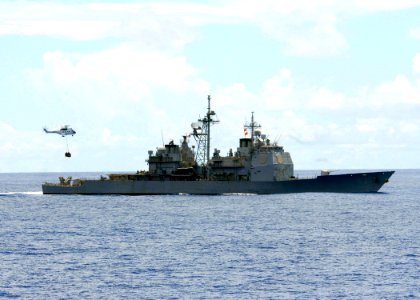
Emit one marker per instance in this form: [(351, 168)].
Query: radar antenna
[(201, 133)]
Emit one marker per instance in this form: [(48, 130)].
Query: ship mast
[(208, 129), (252, 125), (201, 133)]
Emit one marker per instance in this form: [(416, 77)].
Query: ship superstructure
[(255, 158)]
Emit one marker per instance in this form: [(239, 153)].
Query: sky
[(336, 83)]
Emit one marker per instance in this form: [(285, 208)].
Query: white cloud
[(326, 99), (301, 115), (307, 28), (147, 24), (312, 33), (371, 125), (414, 33), (410, 128), (416, 63), (12, 140), (124, 87), (233, 96), (76, 30), (278, 91), (52, 19), (400, 91), (110, 139), (25, 151), (111, 81), (380, 5), (123, 63)]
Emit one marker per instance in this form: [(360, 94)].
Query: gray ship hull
[(347, 183)]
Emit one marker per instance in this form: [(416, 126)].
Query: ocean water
[(294, 246)]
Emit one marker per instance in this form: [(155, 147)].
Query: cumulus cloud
[(370, 125), (124, 82), (111, 81), (296, 117), (307, 28), (295, 114), (14, 141), (19, 147), (235, 95), (111, 139), (123, 88), (277, 93), (123, 63), (399, 91), (326, 99), (305, 33), (52, 19), (149, 25)]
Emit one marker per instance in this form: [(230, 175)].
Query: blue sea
[(293, 246)]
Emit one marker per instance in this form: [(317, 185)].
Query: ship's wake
[(21, 193)]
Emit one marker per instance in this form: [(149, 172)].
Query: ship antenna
[(252, 128), (252, 125), (208, 129), (161, 136)]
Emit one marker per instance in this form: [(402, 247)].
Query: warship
[(258, 166)]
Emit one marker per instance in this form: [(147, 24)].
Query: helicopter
[(63, 131)]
